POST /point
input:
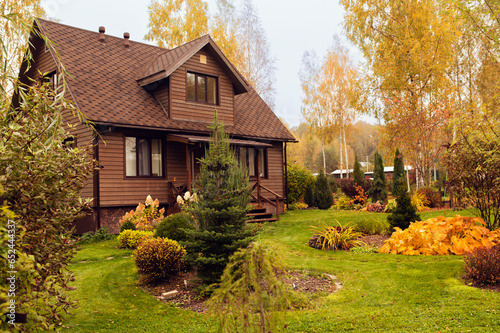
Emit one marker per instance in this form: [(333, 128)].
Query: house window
[(201, 88), (52, 79), (249, 158), (143, 157)]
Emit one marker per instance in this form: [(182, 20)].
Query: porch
[(267, 203)]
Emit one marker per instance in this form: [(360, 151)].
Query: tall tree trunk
[(345, 150), (324, 159), (341, 162)]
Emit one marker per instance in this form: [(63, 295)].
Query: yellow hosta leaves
[(441, 236)]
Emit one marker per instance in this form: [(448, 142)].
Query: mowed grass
[(381, 292)]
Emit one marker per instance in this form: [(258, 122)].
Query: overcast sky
[(292, 27)]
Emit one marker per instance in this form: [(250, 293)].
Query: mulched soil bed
[(375, 240), (188, 297)]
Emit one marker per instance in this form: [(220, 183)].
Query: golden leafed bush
[(131, 238), (442, 236), (159, 258)]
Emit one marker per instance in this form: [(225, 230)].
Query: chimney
[(102, 30), (126, 42)]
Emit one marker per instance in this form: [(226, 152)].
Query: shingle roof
[(105, 87)]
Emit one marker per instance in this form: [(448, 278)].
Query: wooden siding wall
[(45, 64), (275, 178), (161, 94), (115, 189), (176, 161), (184, 110)]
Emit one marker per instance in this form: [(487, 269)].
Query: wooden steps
[(260, 215)]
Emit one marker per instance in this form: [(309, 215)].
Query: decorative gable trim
[(166, 63)]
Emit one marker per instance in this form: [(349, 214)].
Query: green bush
[(334, 187), (371, 227), (309, 195), (297, 206), (391, 205), (131, 238), (127, 225), (344, 203), (323, 193), (158, 258), (93, 237), (299, 178), (174, 227), (365, 249)]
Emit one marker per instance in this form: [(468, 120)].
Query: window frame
[(205, 76), (137, 154), (265, 173)]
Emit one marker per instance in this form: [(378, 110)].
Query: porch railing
[(260, 198)]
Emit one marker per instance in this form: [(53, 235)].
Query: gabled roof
[(104, 84), (166, 63)]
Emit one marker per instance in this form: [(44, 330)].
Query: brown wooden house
[(151, 107)]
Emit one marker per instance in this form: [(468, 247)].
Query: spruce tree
[(399, 174), (405, 212), (358, 174), (378, 191), (324, 195), (310, 194), (221, 209)]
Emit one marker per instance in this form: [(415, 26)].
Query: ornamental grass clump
[(335, 238), (146, 216), (158, 258), (442, 236)]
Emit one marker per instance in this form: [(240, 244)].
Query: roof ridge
[(45, 21)]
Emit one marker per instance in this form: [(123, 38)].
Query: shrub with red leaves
[(375, 207), (482, 266)]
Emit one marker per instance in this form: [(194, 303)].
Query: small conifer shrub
[(158, 258), (309, 196), (404, 213), (127, 225), (324, 195), (174, 227)]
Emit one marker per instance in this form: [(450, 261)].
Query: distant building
[(387, 170)]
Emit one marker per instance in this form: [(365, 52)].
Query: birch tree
[(329, 95), (409, 49)]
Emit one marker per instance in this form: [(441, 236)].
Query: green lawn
[(385, 293)]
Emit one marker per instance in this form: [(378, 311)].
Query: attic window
[(201, 88), (52, 79)]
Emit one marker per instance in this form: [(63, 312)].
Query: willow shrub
[(251, 296), (42, 176)]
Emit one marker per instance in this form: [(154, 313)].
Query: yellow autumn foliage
[(441, 236)]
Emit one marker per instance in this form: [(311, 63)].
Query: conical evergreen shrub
[(324, 195), (378, 191), (405, 212), (221, 209), (399, 172), (358, 174), (310, 195)]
